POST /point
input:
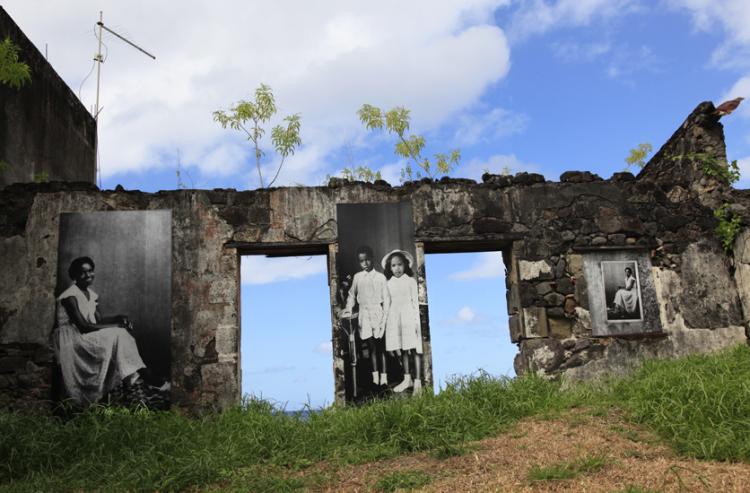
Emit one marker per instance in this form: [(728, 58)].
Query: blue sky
[(542, 86)]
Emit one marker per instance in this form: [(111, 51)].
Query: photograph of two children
[(377, 301)]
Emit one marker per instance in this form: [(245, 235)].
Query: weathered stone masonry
[(544, 230)]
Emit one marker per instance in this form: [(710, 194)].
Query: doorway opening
[(468, 316), (286, 355)]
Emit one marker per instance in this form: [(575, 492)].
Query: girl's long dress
[(627, 299), (94, 363), (402, 329)]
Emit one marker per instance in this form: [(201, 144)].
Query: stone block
[(608, 220), (535, 322), (579, 177), (575, 265), (524, 178), (622, 176), (543, 356), (570, 305), (599, 241), (554, 299), (534, 270), (561, 328), (514, 325), (226, 339), (560, 267), (564, 286), (543, 288), (555, 312)]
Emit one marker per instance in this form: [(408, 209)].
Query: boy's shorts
[(369, 319)]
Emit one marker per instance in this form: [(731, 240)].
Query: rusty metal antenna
[(99, 59)]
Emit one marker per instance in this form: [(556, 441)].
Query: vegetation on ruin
[(249, 117), (357, 173), (729, 226), (13, 72), (699, 404), (713, 167), (637, 156), (409, 146)]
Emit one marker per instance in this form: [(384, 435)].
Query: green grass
[(567, 470), (700, 404), (117, 449), (405, 480)]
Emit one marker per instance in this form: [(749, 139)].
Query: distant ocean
[(302, 414)]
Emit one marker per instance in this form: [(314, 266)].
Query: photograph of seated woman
[(97, 354), (625, 303), (403, 334)]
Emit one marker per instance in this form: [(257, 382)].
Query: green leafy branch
[(637, 156), (13, 72), (249, 117), (730, 225), (713, 167), (408, 146)]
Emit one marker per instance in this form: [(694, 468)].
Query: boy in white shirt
[(369, 291)]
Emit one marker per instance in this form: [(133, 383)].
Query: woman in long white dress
[(626, 297), (95, 353)]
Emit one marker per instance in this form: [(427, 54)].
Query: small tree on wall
[(249, 118), (13, 72), (409, 146)]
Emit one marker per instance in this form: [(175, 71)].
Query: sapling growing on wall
[(409, 146), (249, 118), (13, 72), (637, 156)]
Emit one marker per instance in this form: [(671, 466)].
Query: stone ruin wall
[(544, 230), (45, 130)]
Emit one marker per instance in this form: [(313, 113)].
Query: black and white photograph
[(622, 291), (113, 308), (377, 302)]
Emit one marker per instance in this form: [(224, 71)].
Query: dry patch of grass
[(599, 453)]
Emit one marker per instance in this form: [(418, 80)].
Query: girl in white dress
[(403, 334), (95, 353)]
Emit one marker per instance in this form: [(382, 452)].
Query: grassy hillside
[(701, 405)]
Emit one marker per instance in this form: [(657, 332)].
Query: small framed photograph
[(622, 291)]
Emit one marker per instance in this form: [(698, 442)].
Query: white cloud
[(538, 16), (740, 88), (487, 266), (323, 60), (325, 347), (466, 315), (257, 269), (474, 128), (733, 17), (496, 164), (744, 164), (574, 52), (626, 61), (392, 172), (270, 370)]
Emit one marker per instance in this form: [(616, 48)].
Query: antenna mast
[(99, 59)]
